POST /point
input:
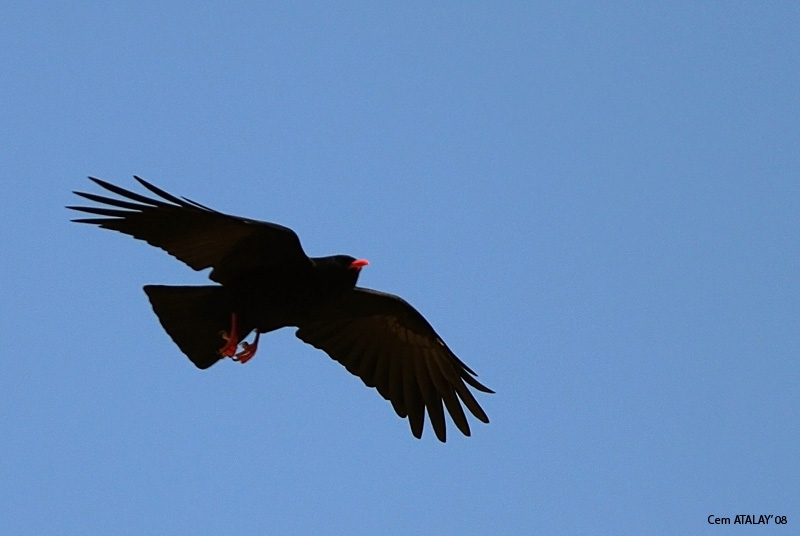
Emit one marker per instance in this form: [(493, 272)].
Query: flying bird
[(265, 282)]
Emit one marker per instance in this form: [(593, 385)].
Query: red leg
[(231, 338), (249, 350)]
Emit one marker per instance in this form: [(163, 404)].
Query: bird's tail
[(194, 317)]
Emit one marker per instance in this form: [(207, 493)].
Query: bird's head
[(340, 271)]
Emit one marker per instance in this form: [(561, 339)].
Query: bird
[(264, 281)]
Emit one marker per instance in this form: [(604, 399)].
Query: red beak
[(359, 264)]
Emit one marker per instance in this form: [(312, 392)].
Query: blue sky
[(597, 207)]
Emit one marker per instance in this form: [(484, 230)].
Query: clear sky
[(597, 207)]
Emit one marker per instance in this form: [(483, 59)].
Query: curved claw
[(249, 350)]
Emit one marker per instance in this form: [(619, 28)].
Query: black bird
[(267, 282)]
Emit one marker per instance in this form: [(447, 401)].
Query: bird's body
[(267, 282)]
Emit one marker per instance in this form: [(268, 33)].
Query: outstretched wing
[(387, 343), (195, 234)]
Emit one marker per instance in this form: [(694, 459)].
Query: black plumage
[(266, 282)]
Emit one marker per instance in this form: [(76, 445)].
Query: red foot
[(232, 343), (231, 338), (249, 350)]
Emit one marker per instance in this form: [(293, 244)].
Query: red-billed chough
[(266, 282)]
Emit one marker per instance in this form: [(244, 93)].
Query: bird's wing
[(387, 343), (195, 234)]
